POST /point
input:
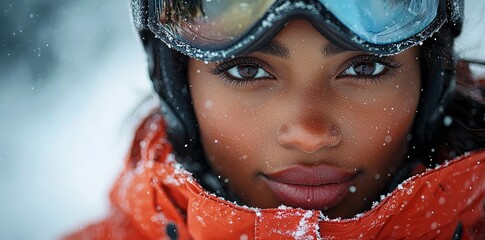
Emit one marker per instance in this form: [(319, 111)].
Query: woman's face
[(304, 123)]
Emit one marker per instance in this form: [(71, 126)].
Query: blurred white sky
[(63, 141)]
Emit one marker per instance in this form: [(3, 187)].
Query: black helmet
[(168, 72)]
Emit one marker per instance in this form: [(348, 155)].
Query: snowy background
[(72, 77), (72, 74)]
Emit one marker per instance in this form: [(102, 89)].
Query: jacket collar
[(155, 191)]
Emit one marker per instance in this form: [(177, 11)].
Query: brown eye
[(248, 72), (365, 69)]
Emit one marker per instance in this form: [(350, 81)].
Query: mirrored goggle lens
[(384, 21), (217, 24), (211, 24)]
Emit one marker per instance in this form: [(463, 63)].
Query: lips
[(311, 187)]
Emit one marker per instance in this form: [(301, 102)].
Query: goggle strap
[(139, 10), (456, 12)]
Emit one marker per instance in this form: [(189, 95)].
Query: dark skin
[(301, 100)]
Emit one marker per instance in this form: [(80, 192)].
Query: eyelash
[(388, 63), (223, 68)]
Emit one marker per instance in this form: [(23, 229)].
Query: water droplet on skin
[(442, 201), (243, 237), (377, 176), (244, 157), (434, 225), (198, 70), (208, 104), (388, 139), (352, 189), (216, 141)]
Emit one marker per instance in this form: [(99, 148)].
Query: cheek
[(382, 135), (227, 133), (231, 145)]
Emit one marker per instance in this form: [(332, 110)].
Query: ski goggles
[(214, 30)]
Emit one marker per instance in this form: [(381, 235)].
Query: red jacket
[(155, 198)]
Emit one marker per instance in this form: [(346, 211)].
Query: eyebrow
[(330, 50), (277, 49)]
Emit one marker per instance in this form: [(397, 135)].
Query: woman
[(291, 120)]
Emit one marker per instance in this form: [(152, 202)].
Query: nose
[(309, 133)]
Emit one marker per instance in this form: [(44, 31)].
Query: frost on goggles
[(214, 29), (211, 24), (384, 21)]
